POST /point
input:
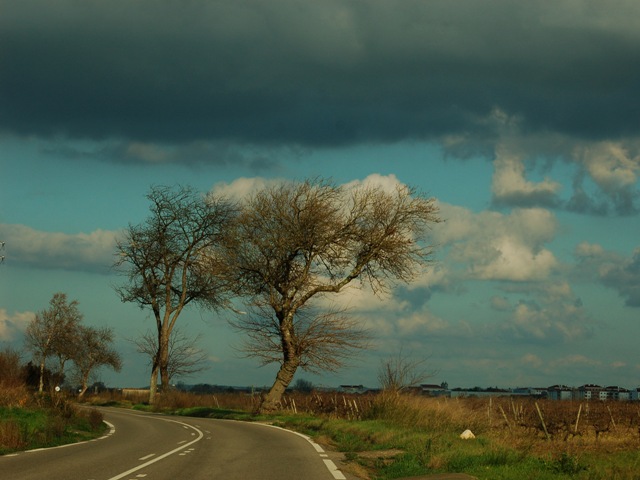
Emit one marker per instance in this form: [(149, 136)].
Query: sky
[(522, 120)]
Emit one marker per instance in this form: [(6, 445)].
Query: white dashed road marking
[(175, 450)]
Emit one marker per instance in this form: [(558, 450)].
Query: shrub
[(11, 436), (13, 390), (95, 419)]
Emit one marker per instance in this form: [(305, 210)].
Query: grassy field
[(390, 436)]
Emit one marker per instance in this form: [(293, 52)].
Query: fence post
[(543, 424)]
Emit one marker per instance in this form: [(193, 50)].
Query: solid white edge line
[(337, 474), (335, 471)]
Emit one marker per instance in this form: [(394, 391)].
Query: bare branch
[(400, 372)]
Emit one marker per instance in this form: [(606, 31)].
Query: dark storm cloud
[(316, 73)]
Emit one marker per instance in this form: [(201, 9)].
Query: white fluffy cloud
[(510, 185), (241, 187), (82, 251), (496, 246), (610, 165), (10, 325)]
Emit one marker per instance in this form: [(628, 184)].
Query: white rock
[(467, 435)]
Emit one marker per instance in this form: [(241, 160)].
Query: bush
[(95, 419)]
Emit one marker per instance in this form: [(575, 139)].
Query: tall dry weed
[(432, 414), (11, 435), (13, 391)]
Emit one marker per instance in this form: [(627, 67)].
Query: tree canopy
[(168, 262), (294, 243)]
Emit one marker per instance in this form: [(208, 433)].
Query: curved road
[(155, 447)]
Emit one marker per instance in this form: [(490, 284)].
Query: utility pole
[(1, 248)]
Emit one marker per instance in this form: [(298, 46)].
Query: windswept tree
[(52, 333), (297, 243), (93, 349), (166, 266)]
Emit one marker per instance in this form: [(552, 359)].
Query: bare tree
[(299, 242), (93, 350), (51, 333), (185, 357), (401, 372), (164, 260)]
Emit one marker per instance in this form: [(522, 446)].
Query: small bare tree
[(93, 350), (164, 261), (52, 333), (401, 372), (185, 357), (299, 242)]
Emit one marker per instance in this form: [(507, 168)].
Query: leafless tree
[(93, 350), (52, 331), (299, 242), (163, 259), (185, 357), (401, 372)]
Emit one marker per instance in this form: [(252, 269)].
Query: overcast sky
[(521, 118)]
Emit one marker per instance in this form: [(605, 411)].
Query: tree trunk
[(163, 363), (41, 383), (153, 384), (84, 385), (272, 400)]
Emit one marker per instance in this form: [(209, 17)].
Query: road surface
[(156, 447)]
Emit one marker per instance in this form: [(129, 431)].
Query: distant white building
[(589, 392)]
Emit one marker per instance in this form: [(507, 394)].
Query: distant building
[(589, 391), (352, 389), (616, 393), (529, 392), (441, 390), (560, 392)]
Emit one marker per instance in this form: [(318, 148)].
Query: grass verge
[(40, 427)]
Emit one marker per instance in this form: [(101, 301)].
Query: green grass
[(33, 427)]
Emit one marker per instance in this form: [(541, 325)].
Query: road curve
[(156, 447)]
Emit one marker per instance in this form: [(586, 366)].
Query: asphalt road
[(155, 447)]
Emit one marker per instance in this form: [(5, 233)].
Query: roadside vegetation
[(29, 419), (388, 435)]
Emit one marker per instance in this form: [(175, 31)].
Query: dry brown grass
[(11, 436), (13, 391)]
